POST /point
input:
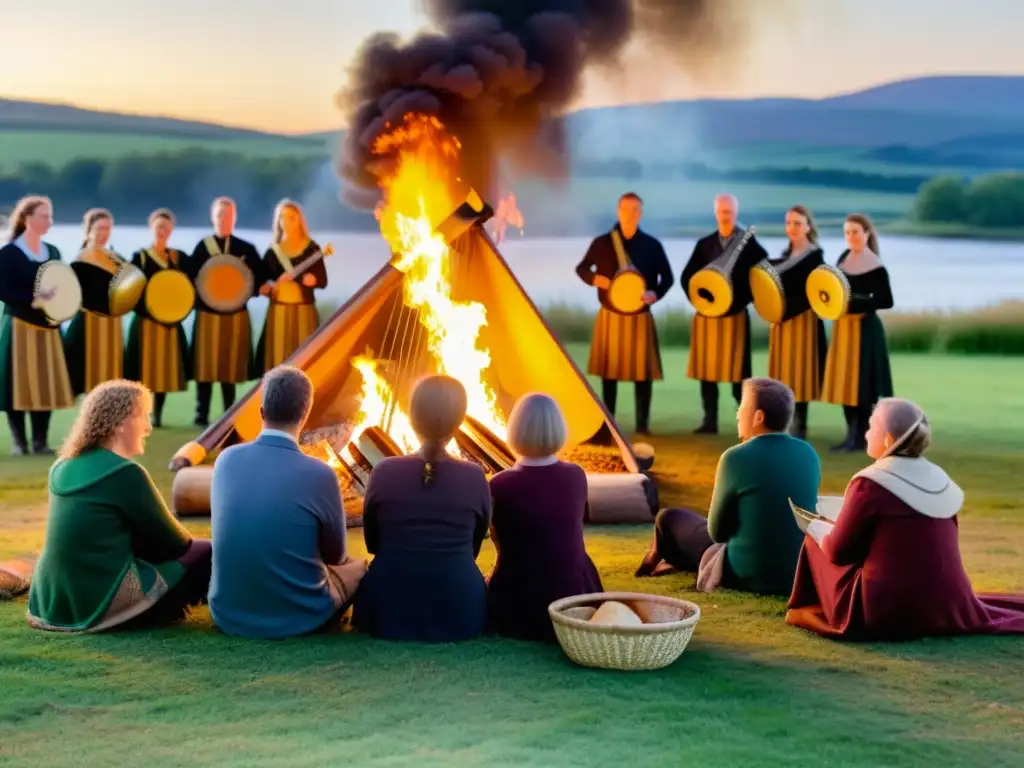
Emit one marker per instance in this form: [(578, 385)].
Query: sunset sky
[(276, 65)]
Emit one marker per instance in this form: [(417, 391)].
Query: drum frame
[(178, 276), (58, 267), (628, 274), (202, 280), (824, 308)]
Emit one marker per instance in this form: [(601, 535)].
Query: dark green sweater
[(750, 509), (105, 517)]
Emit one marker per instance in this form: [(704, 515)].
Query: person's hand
[(42, 296), (649, 297), (309, 280), (286, 277), (602, 282), (266, 289)]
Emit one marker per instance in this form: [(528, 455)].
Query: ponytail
[(432, 453)]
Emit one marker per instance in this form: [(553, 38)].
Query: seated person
[(750, 511), (425, 517), (890, 568), (537, 528), (279, 564), (114, 556)]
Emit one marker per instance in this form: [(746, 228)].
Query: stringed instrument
[(290, 290)]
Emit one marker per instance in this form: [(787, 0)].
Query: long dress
[(537, 530), (157, 354), (423, 583), (891, 567), (94, 341), (287, 326)]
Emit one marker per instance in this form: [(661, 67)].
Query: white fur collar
[(921, 485)]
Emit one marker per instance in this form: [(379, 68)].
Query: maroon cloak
[(891, 567)]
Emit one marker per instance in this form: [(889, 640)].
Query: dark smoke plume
[(499, 73)]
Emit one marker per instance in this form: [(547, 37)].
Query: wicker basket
[(659, 641)]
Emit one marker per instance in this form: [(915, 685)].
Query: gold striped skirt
[(718, 348), (625, 347), (160, 359), (104, 349), (222, 346), (40, 372), (793, 356), (288, 325), (842, 365)]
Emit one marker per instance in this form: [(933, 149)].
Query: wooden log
[(623, 497), (190, 493)]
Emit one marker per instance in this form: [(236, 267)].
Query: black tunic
[(273, 269), (238, 247), (17, 283), (646, 254)]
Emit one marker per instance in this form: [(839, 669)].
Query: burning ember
[(417, 183)]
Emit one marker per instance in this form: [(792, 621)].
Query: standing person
[(222, 341), (625, 346), (857, 369), (720, 346), (33, 373), (94, 342), (156, 353), (288, 324), (796, 346)]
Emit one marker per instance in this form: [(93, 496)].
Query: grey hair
[(730, 198), (218, 202), (536, 428), (287, 397), (774, 399), (908, 424)]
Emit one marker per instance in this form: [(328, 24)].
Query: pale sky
[(276, 64)]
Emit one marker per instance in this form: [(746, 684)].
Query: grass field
[(55, 148), (749, 691)]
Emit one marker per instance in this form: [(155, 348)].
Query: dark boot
[(40, 431), (799, 426), (19, 442), (159, 398), (644, 392), (850, 414), (610, 394), (204, 391), (709, 401), (227, 395)]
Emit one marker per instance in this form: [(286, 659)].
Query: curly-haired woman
[(114, 555)]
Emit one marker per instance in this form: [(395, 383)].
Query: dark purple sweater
[(537, 529)]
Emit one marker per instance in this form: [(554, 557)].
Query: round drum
[(626, 292), (769, 294), (67, 300), (169, 296), (828, 291), (711, 292), (225, 283), (109, 292)]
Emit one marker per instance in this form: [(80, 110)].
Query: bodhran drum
[(110, 287), (626, 292), (170, 296), (828, 292), (779, 290), (67, 299), (292, 291), (225, 283)]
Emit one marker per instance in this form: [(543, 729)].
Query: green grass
[(55, 148), (749, 690)]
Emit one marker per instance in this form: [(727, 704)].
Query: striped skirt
[(796, 355), (625, 347), (38, 371), (287, 327), (222, 347), (104, 349), (857, 369), (161, 360), (720, 348)]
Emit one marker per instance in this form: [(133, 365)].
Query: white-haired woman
[(539, 509), (288, 324), (425, 517), (114, 555), (890, 567)]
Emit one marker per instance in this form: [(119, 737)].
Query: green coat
[(750, 510), (106, 517)]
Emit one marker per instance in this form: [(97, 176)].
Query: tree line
[(992, 201)]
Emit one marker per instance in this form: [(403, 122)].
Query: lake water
[(925, 273)]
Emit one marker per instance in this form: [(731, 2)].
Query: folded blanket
[(712, 567)]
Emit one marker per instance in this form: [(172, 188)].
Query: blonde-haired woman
[(33, 371), (425, 517), (114, 555), (890, 567), (94, 342), (857, 370), (797, 345), (288, 324), (539, 509), (157, 354)]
